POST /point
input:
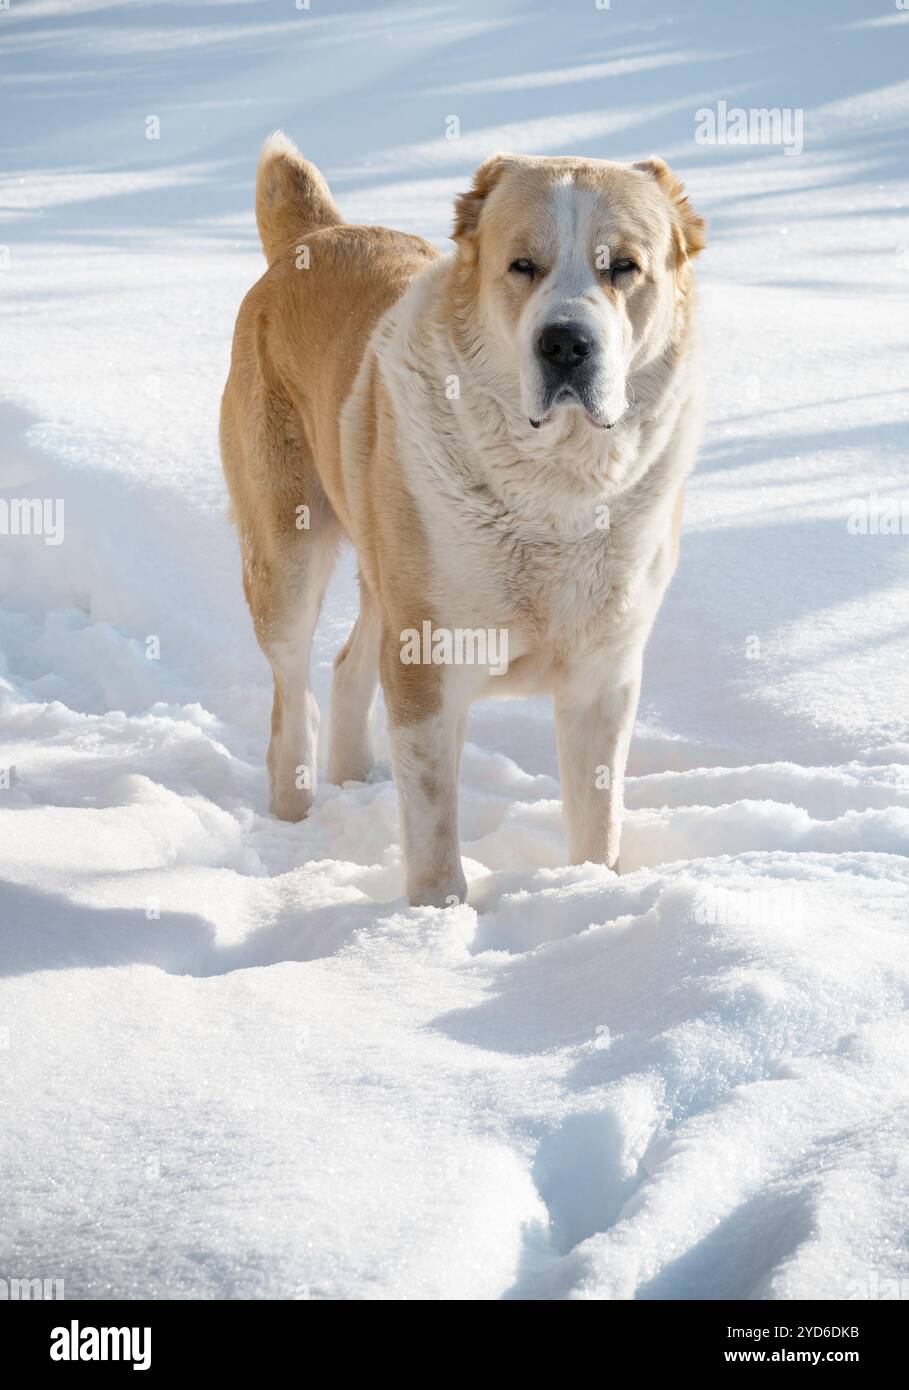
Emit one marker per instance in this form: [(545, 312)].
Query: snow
[(233, 1062)]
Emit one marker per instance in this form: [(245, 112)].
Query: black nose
[(564, 345)]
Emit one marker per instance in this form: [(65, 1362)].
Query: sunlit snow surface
[(232, 1061)]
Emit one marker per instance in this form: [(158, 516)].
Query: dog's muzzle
[(567, 356)]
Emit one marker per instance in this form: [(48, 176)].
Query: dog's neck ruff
[(560, 483)]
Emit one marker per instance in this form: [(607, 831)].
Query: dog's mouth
[(597, 424), (567, 395)]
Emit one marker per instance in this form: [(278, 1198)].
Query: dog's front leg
[(427, 719), (593, 732)]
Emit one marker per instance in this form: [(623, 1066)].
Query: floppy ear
[(690, 229), (468, 206)]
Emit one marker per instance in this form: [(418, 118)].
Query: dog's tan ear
[(468, 206), (690, 229)]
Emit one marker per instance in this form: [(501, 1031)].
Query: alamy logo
[(759, 125), (32, 516), (455, 646), (878, 516), (890, 1288), (777, 904), (25, 1290), (75, 1343)]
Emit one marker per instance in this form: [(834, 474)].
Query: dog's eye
[(523, 267), (622, 267)]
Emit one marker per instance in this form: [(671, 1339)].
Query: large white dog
[(503, 434)]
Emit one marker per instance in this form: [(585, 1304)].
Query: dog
[(503, 434)]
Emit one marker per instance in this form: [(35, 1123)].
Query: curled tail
[(292, 198)]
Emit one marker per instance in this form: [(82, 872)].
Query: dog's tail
[(292, 198)]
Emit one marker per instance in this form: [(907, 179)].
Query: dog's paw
[(348, 766), (439, 895), (291, 803)]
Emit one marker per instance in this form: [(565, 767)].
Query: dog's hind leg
[(293, 747), (289, 539), (353, 692)]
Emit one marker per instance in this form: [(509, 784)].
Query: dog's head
[(578, 266)]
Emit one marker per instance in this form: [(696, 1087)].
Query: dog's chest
[(564, 590), (543, 545), (564, 587)]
